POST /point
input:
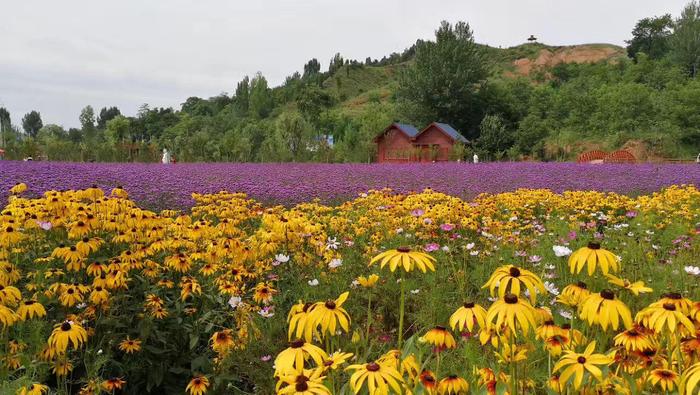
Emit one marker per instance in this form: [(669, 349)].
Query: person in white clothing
[(476, 158), (166, 156)]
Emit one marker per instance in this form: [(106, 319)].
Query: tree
[(651, 36), (685, 43), (260, 97), (494, 138), (5, 124), (31, 123), (241, 98), (87, 120), (312, 101), (296, 134), (312, 68), (336, 63), (107, 114), (443, 84)]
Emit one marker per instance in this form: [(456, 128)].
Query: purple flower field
[(159, 186)]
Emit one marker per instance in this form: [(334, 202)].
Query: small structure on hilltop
[(400, 143), (532, 38)]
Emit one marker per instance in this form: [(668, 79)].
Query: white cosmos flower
[(313, 282), (281, 258), (561, 251), (692, 270), (566, 314), (470, 246), (234, 301), (551, 288), (336, 262), (474, 253), (332, 243), (415, 291)]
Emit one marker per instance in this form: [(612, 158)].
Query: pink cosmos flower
[(447, 227), (431, 247)]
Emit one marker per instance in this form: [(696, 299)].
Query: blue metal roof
[(452, 132), (410, 130)]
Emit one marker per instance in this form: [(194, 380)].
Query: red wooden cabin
[(400, 143)]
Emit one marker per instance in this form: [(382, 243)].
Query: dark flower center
[(71, 291), (469, 305), (514, 272), (632, 333), (566, 326), (549, 322), (673, 295), (669, 306), (66, 326), (9, 229), (666, 374), (29, 302), (581, 360), (301, 387), (607, 294), (297, 343), (440, 328), (197, 381), (510, 299), (403, 249), (594, 246), (372, 367), (330, 304), (452, 376), (581, 284)]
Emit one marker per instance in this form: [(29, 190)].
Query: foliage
[(651, 36), (31, 123), (685, 43)]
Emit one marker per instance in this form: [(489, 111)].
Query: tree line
[(652, 96)]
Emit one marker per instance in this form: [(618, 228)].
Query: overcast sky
[(58, 56)]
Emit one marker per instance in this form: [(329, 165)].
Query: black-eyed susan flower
[(636, 287), (222, 341), (304, 382), (511, 353), (34, 389), (7, 316), (9, 295), (369, 281), (556, 343), (296, 318), (113, 384), (634, 339), (605, 310), (467, 316), (664, 318), (547, 329), (574, 294), (66, 334), (292, 358), (29, 309), (405, 258), (690, 379), (61, 367), (513, 312), (264, 293), (512, 279), (440, 338), (379, 378), (453, 385), (575, 365), (665, 379), (329, 315), (336, 359), (684, 305), (428, 380), (198, 385), (130, 346), (99, 295), (593, 256)]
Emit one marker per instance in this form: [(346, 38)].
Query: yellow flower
[(130, 346), (576, 364), (369, 281), (65, 334), (574, 294), (467, 316), (9, 295), (511, 311), (7, 316), (440, 338), (405, 258), (198, 385), (34, 389), (336, 359), (329, 315), (634, 339), (222, 341), (29, 309), (605, 309), (664, 378), (263, 293), (380, 379), (510, 279), (665, 316), (691, 379), (511, 353), (636, 287), (18, 188), (292, 358), (113, 384), (305, 382), (453, 385), (593, 256)]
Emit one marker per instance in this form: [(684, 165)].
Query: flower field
[(157, 186), (523, 292)]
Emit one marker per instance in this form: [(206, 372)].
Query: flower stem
[(369, 318), (401, 312)]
